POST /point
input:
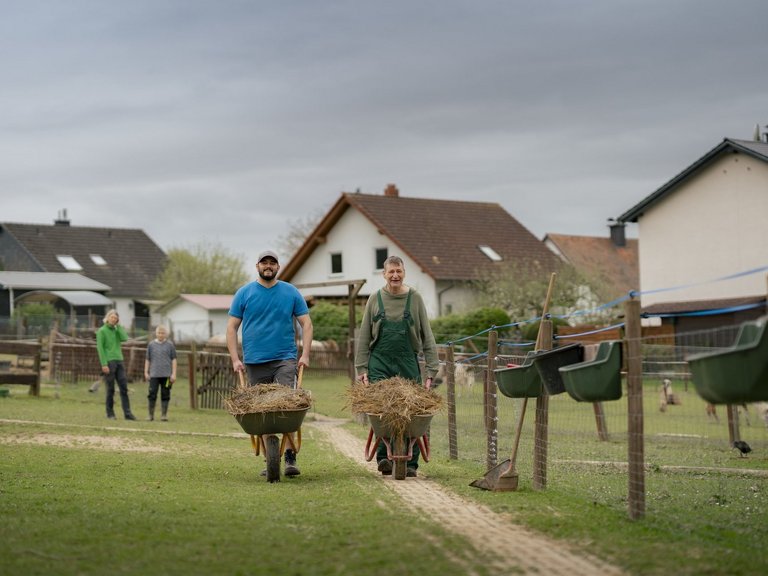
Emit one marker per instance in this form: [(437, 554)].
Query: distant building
[(608, 263), (125, 260), (196, 317)]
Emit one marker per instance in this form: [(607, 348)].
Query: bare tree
[(520, 290), (298, 231)]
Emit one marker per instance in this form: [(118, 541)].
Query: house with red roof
[(445, 245)]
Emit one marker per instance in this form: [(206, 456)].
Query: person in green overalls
[(394, 331)]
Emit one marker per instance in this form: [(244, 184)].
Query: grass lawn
[(83, 495)]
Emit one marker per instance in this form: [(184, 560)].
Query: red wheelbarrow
[(397, 451)]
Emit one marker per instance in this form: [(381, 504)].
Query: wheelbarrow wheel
[(400, 463), (272, 454)]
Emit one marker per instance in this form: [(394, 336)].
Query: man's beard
[(268, 278)]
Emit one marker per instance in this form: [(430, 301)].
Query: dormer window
[(69, 263), (98, 260), (492, 255)]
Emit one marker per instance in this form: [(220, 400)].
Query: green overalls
[(393, 355)]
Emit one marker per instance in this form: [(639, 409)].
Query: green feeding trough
[(596, 380), (548, 362), (521, 381), (737, 374)]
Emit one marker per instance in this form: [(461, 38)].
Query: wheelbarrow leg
[(400, 457), (272, 454)]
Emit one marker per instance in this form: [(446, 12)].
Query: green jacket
[(108, 340), (422, 339)]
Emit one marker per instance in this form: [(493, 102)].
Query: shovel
[(503, 477)]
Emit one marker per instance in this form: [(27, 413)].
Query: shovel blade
[(500, 478)]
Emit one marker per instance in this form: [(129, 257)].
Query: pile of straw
[(395, 400), (266, 398)]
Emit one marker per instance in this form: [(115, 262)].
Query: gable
[(754, 149), (127, 260), (443, 237)]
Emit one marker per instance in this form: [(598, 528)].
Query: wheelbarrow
[(399, 445), (272, 433)]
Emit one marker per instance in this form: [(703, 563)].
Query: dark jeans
[(280, 371), (164, 385), (117, 372)]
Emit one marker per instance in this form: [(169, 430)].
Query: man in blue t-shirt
[(266, 310)]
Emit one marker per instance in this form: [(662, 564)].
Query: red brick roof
[(441, 236), (615, 268)]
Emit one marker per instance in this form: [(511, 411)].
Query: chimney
[(391, 190), (61, 220), (618, 236)]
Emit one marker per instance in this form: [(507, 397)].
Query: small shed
[(196, 317)]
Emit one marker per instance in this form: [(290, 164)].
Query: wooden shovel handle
[(545, 310)]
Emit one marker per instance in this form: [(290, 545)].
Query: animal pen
[(634, 433)]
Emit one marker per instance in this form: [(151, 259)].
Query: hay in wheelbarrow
[(266, 398), (395, 400)]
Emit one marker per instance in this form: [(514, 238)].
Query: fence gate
[(214, 378)]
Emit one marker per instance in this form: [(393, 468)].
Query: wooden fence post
[(450, 378), (489, 403), (636, 456), (192, 361), (541, 427)]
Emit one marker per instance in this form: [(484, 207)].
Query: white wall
[(190, 322), (714, 225), (357, 240)]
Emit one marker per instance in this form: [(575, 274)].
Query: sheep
[(667, 396)]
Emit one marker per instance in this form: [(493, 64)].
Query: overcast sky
[(228, 121)]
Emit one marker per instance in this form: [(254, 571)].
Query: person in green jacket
[(108, 344), (394, 331)]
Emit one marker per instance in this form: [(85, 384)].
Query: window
[(69, 262), (381, 255), (490, 252), (336, 267), (98, 260)]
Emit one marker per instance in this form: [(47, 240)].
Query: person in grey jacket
[(160, 371)]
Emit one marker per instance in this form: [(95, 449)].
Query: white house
[(196, 317), (707, 223), (445, 244)]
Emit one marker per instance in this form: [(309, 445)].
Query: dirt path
[(503, 546)]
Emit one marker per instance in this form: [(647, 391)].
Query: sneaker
[(263, 472), (112, 417), (164, 418), (291, 469), (385, 467), (130, 417), (411, 473)]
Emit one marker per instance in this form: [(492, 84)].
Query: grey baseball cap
[(267, 254)]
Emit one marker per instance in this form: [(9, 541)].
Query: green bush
[(330, 321), (39, 316), (454, 326)]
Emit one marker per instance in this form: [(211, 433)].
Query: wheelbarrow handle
[(300, 376), (242, 378)]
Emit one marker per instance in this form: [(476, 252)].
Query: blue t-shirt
[(267, 315)]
